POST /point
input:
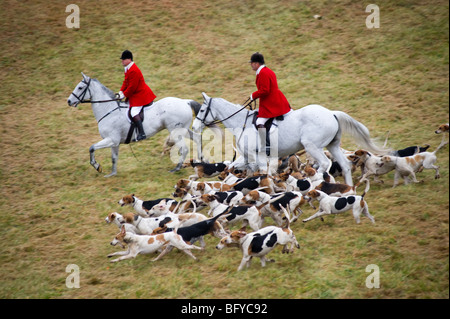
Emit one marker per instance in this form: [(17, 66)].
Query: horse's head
[(204, 115), (81, 92)]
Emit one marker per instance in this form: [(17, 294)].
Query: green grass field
[(53, 202)]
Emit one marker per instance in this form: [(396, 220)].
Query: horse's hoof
[(97, 167), (176, 169), (110, 175)]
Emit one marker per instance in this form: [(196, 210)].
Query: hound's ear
[(123, 230), (205, 96), (241, 232)]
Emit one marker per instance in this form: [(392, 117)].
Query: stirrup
[(140, 137)]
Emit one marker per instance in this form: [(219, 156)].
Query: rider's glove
[(119, 95)]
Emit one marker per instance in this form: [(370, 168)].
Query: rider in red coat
[(272, 103), (135, 90)]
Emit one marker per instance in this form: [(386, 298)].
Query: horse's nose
[(68, 102)]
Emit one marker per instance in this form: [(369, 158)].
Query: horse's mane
[(105, 89), (238, 106)]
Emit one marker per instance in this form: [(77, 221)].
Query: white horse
[(312, 128), (169, 113)]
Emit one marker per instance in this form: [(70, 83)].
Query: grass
[(53, 203)]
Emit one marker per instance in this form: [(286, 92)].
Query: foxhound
[(190, 234), (442, 129), (119, 220), (255, 197), (290, 183), (147, 244), (203, 169), (146, 226), (280, 206), (193, 187), (140, 206), (249, 215), (335, 205), (259, 243), (371, 166), (408, 166), (263, 182)]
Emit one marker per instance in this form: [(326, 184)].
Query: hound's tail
[(443, 143), (367, 186), (175, 211), (359, 132)]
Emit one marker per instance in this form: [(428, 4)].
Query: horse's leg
[(197, 139), (339, 156), (114, 158), (177, 135), (184, 150), (318, 155), (106, 142)]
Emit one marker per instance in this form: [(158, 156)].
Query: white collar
[(259, 69), (128, 66)]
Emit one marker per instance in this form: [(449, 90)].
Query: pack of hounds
[(157, 226)]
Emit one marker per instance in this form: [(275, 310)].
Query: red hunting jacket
[(272, 102), (135, 89)]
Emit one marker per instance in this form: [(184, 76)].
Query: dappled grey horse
[(312, 128), (169, 113)]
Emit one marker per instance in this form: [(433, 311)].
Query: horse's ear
[(205, 96), (85, 77)]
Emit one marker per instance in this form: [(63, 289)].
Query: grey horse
[(169, 113), (312, 128)]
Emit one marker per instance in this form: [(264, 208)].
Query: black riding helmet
[(257, 57), (127, 55)]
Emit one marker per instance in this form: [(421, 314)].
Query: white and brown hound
[(147, 244), (249, 215), (203, 169), (408, 166), (146, 226), (259, 243), (335, 205), (143, 207), (119, 221)]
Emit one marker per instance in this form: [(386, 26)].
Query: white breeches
[(135, 110), (261, 120)]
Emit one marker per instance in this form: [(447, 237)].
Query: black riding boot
[(141, 133), (264, 138)]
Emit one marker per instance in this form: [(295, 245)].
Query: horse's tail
[(195, 106), (359, 132)]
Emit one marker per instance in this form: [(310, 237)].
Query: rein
[(248, 102), (81, 99)]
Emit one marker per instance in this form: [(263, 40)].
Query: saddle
[(268, 126), (133, 125)]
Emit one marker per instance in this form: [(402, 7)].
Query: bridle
[(248, 102), (81, 99)]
